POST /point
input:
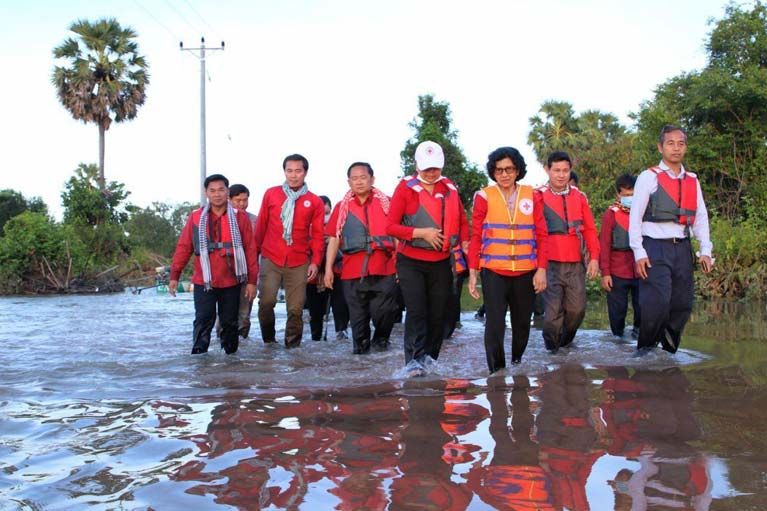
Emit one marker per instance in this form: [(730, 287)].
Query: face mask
[(626, 202), (428, 182), (327, 217)]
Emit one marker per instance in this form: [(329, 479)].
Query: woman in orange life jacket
[(427, 216), (616, 260), (508, 244)]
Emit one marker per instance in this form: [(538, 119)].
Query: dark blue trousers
[(666, 295), (618, 304)]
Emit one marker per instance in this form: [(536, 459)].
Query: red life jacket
[(563, 212), (225, 245), (365, 228), (675, 200), (620, 234), (438, 211)]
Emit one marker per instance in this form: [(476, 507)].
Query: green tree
[(599, 145), (96, 216), (724, 109), (104, 79), (434, 123), (151, 228), (180, 215), (13, 203)]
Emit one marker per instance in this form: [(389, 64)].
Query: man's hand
[(642, 266), (706, 263), (250, 292), (473, 284), (539, 280), (592, 270), (312, 271), (431, 235), (172, 286), (328, 280), (607, 283)]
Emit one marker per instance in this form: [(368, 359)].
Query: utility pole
[(203, 155)]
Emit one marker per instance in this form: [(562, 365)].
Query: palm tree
[(104, 79)]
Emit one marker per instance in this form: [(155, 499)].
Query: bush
[(740, 271), (37, 254)]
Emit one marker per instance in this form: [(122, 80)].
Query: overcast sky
[(337, 81)]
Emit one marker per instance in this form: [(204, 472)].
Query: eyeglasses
[(506, 170)]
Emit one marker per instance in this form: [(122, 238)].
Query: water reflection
[(515, 443), (648, 417), (101, 419)]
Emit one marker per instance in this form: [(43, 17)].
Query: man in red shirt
[(288, 229), (358, 227), (616, 260), (571, 231), (222, 239)]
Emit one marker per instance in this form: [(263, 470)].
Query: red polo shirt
[(221, 266), (405, 202), (307, 229), (379, 262), (614, 262)]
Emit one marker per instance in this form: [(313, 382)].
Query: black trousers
[(618, 304), (501, 293), (372, 298), (340, 308), (666, 295), (426, 289), (454, 304), (565, 303), (317, 304), (227, 300)]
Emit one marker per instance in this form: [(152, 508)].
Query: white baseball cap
[(429, 155)]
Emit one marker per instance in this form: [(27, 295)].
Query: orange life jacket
[(518, 487), (620, 234), (460, 260), (508, 238), (438, 211), (225, 245), (675, 200)]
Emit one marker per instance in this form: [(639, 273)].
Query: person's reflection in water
[(566, 435), (425, 477), (291, 452), (649, 415), (369, 450), (513, 479), (461, 416)]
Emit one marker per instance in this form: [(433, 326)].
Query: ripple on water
[(103, 407)]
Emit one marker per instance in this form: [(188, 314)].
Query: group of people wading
[(524, 241)]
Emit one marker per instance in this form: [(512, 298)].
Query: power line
[(200, 16), (175, 37), (181, 15)]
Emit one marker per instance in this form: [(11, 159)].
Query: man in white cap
[(428, 218)]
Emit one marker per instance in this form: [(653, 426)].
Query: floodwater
[(102, 407)]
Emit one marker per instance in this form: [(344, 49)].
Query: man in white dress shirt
[(667, 210)]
